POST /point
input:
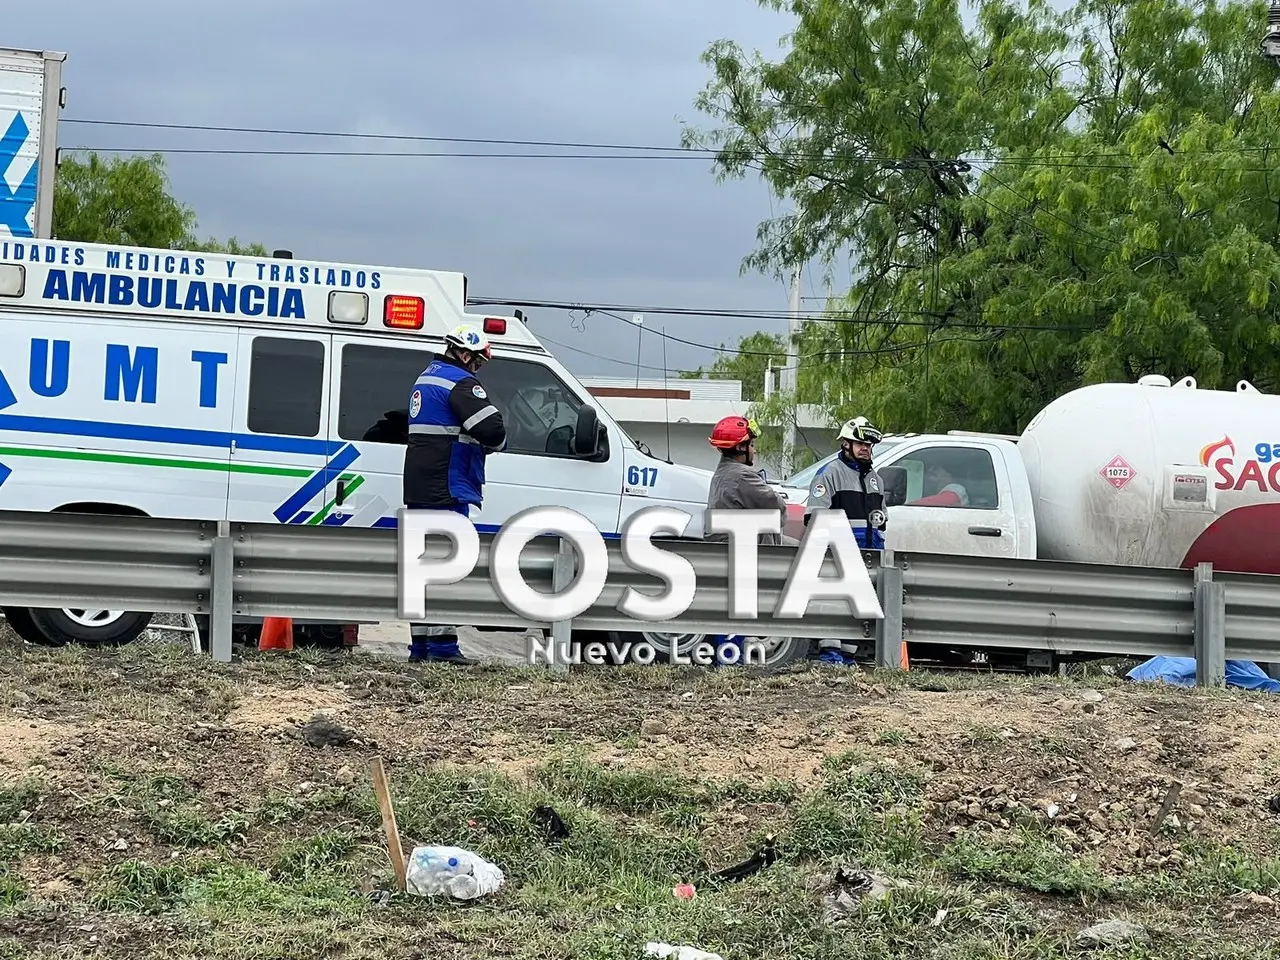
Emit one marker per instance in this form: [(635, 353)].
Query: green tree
[(127, 201), (1036, 202), (748, 362)]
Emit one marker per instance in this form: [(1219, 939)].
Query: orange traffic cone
[(905, 660), (277, 634)]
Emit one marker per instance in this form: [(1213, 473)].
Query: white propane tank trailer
[(1158, 475), (1152, 473)]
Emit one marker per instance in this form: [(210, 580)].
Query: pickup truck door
[(950, 497)]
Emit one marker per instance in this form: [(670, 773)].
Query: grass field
[(155, 805)]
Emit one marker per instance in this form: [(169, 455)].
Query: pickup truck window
[(286, 386), (944, 477)]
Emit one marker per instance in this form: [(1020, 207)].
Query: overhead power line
[(621, 151), (811, 316)]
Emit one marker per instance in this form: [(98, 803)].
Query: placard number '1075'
[(641, 476)]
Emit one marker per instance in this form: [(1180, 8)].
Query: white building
[(673, 418)]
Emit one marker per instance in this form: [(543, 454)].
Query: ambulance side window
[(373, 394), (286, 386)]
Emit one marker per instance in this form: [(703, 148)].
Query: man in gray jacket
[(738, 485)]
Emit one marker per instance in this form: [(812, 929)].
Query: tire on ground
[(20, 622), (56, 629)]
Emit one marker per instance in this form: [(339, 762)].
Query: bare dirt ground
[(157, 804)]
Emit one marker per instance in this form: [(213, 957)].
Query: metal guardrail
[(234, 569), (258, 570), (1064, 607)]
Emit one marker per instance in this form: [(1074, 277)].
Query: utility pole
[(789, 378)]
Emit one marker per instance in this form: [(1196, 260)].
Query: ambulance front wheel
[(58, 627)]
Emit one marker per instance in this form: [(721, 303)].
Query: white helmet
[(860, 430), (467, 337)]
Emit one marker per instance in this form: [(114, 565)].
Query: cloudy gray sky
[(658, 232)]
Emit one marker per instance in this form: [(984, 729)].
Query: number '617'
[(641, 476)]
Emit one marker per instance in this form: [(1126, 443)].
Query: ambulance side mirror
[(586, 436)]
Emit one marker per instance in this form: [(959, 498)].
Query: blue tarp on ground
[(1181, 671)]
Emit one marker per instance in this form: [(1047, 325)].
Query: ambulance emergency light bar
[(345, 307)]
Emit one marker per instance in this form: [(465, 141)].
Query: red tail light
[(495, 326)]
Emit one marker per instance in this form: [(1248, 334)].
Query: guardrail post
[(1211, 628), (562, 574), (222, 590), (889, 631)]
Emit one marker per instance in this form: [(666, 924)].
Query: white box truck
[(31, 95)]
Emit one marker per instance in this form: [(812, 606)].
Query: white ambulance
[(199, 386)]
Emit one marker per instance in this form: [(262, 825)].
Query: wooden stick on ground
[(383, 792), (1170, 798)]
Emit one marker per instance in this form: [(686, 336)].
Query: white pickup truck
[(1150, 474), (990, 514)]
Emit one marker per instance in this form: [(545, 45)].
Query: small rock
[(1126, 745), (946, 792), (1110, 933), (1091, 696), (320, 731), (345, 776), (120, 844), (653, 728)]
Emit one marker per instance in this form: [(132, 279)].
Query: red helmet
[(732, 432)]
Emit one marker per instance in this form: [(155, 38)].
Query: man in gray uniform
[(850, 483), (738, 485)]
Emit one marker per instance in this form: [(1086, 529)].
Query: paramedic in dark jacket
[(453, 426), (738, 485), (850, 483)]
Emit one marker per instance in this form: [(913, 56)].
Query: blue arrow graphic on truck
[(7, 399), (16, 205)]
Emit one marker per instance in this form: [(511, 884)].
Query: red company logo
[(1117, 472), (1263, 468)]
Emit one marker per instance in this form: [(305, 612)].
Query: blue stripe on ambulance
[(343, 454), (175, 435), (286, 512)]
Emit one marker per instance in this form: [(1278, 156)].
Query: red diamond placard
[(1117, 472)]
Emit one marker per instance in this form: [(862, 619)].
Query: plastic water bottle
[(428, 872), (463, 886), (453, 871), (431, 873)]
